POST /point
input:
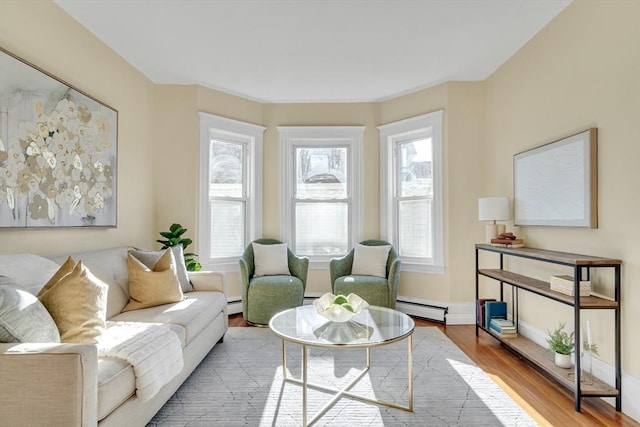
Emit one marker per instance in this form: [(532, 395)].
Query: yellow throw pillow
[(77, 302), (151, 287), (64, 269)]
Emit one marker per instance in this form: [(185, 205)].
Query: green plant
[(593, 348), (174, 237), (560, 340)]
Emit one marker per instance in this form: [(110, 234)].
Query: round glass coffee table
[(372, 327)]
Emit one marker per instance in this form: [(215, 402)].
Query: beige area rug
[(240, 384)]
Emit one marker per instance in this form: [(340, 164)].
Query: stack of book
[(480, 310), (503, 328), (565, 285), (494, 309), (507, 243)]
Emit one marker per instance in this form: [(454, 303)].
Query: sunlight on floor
[(317, 399), (468, 373)]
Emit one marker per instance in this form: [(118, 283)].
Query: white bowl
[(336, 312)]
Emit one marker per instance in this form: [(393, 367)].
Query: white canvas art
[(555, 184)]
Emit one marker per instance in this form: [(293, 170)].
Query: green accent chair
[(264, 296), (380, 291)]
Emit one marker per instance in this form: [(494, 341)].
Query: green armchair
[(381, 291), (264, 296)]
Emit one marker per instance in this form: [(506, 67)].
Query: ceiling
[(314, 50)]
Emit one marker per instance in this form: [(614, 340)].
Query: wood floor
[(547, 402)]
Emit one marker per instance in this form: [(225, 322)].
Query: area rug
[(240, 384)]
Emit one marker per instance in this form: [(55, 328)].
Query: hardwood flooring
[(547, 402)]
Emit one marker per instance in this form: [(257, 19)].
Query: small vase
[(586, 365), (563, 360)]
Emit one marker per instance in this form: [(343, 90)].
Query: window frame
[(391, 136), (251, 136), (293, 137)]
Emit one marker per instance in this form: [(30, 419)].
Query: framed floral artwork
[(58, 151)]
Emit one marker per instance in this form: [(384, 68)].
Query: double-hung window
[(230, 189), (321, 190), (411, 184)]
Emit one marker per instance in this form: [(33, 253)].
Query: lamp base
[(492, 231)]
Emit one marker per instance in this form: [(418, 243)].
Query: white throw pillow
[(270, 260), (370, 260)]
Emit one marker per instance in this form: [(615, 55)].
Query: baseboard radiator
[(424, 311)]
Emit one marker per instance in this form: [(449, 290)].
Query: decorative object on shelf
[(494, 209), (557, 184), (588, 350), (507, 240), (564, 284), (174, 237), (562, 343), (58, 152), (339, 308)]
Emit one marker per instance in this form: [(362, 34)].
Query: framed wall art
[(557, 184), (58, 151)]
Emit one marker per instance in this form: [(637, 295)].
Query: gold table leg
[(345, 390)]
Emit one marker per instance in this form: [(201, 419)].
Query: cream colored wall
[(41, 33), (463, 103), (177, 127), (582, 70)]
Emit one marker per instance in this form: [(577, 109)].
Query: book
[(480, 310), (567, 280), (503, 335), (494, 309), (504, 245), (565, 285), (502, 326), (508, 241)]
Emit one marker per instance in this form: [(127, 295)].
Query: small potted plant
[(561, 343)]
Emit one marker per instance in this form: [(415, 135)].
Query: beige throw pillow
[(150, 259), (370, 260), (151, 287), (270, 260), (77, 302)]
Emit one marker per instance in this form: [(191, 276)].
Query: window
[(411, 186), (230, 189), (321, 190)]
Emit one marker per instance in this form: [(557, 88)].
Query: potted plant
[(174, 237), (561, 343)]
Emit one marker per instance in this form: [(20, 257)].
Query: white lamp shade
[(494, 209)]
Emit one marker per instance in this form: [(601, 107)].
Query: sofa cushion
[(29, 272), (117, 380), (77, 303), (370, 260), (194, 313), (151, 287), (116, 383), (110, 266), (150, 259), (23, 318)]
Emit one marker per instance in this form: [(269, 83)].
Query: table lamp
[(493, 209)]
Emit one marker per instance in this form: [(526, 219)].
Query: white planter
[(563, 360)]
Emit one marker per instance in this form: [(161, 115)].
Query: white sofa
[(68, 384)]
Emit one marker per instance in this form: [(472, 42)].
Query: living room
[(581, 71)]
